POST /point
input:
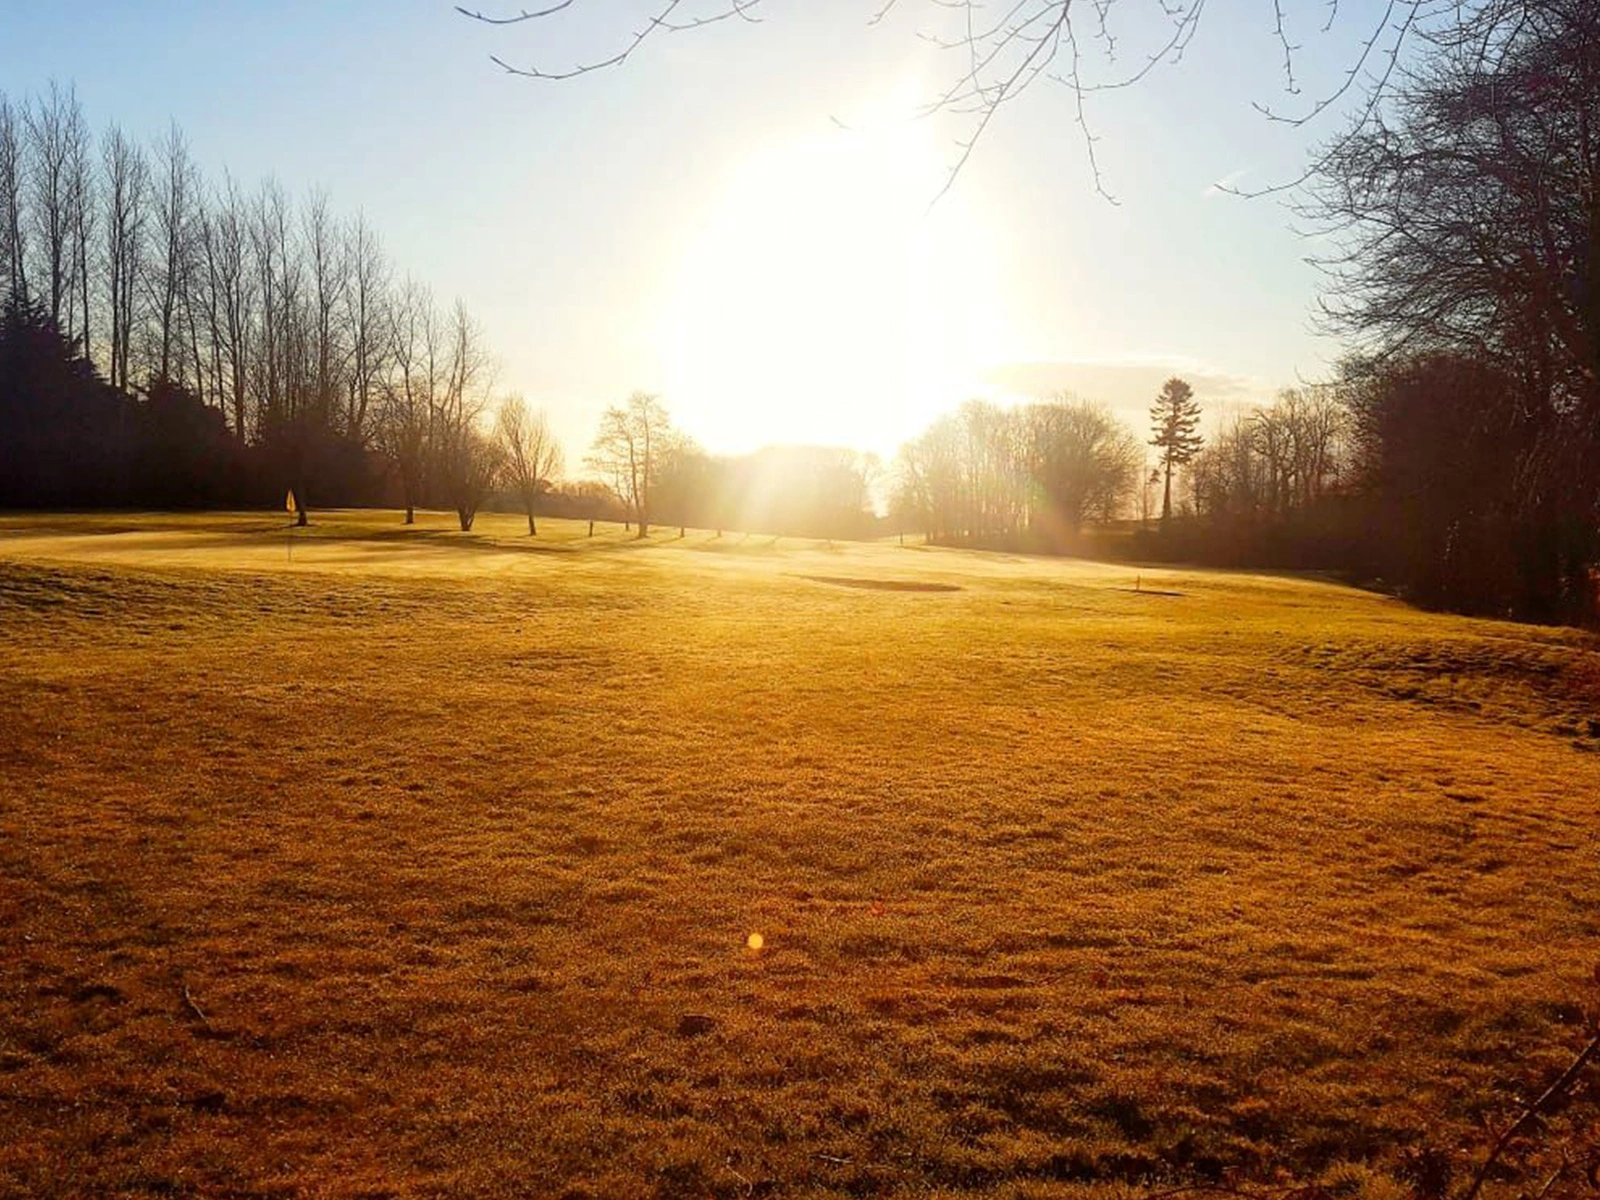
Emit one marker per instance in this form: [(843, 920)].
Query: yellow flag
[(288, 502)]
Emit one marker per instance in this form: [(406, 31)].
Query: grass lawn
[(426, 864)]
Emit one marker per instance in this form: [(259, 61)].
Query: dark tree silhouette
[(1175, 422), (1469, 234), (66, 438), (1469, 221)]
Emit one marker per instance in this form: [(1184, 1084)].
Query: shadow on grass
[(452, 539), (881, 585)]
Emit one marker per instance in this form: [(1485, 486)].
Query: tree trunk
[(411, 513), (1166, 495), (532, 529)]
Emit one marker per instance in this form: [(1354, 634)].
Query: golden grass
[(427, 865)]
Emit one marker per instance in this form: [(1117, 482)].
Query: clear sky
[(698, 223)]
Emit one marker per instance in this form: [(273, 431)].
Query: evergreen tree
[(1174, 420)]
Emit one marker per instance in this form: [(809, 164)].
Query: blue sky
[(697, 223)]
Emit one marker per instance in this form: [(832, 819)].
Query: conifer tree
[(1174, 421)]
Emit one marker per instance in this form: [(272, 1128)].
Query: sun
[(825, 297)]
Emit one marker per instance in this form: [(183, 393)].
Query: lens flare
[(755, 941)]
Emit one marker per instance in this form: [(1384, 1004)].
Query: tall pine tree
[(1174, 420)]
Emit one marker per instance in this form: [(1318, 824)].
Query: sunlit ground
[(422, 864)]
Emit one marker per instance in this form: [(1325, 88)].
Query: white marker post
[(288, 541)]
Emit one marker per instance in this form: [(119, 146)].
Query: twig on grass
[(193, 1007), (1551, 1182), (749, 1186), (1554, 1091)]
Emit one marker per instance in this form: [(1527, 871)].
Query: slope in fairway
[(401, 862)]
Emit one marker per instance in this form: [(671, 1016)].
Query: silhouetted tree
[(175, 213), (66, 438), (366, 306), (469, 468), (83, 214), (125, 180), (406, 417), (1468, 218), (530, 451), (1175, 423), (1456, 472), (52, 122), (467, 460), (1470, 259), (231, 295), (276, 315), (13, 223), (188, 459)]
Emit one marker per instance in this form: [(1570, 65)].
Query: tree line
[(1049, 475), (165, 339)]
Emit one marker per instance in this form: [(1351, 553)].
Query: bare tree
[(276, 284), (365, 296), (13, 234), (405, 421), (1082, 463), (998, 53), (203, 311), (82, 219), (931, 479), (49, 121), (290, 406), (470, 468), (327, 267), (174, 210), (1468, 222), (531, 453), (125, 184), (627, 451), (232, 288), (467, 460)]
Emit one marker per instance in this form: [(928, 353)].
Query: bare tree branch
[(1006, 47)]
